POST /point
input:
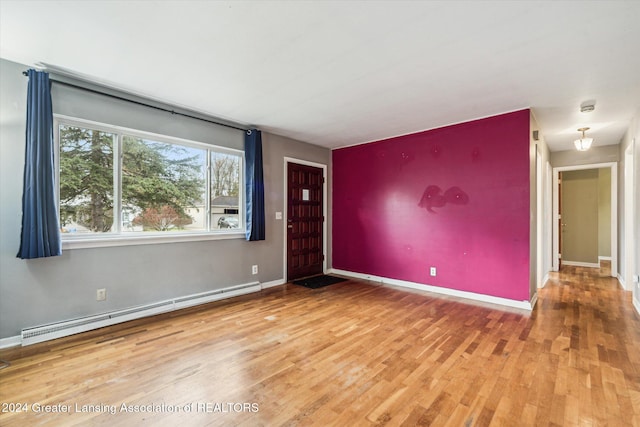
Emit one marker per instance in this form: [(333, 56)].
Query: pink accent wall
[(456, 198)]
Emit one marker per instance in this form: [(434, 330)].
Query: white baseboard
[(10, 342), (545, 279), (622, 282), (581, 264), (636, 305), (65, 328), (534, 300), (273, 283), (17, 340), (604, 258), (526, 305)]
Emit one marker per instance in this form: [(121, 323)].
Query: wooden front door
[(304, 221)]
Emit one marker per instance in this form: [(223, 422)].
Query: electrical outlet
[(101, 295), (254, 269), (432, 271)]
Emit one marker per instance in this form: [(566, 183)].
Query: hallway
[(589, 337)]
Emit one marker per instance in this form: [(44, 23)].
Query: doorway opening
[(561, 226)]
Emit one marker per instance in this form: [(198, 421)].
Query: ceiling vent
[(587, 106)]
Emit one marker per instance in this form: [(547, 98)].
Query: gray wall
[(604, 154), (36, 292)]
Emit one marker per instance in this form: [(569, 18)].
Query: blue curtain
[(254, 182), (40, 235)]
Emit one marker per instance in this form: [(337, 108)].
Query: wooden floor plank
[(355, 353)]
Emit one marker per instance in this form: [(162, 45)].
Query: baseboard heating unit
[(69, 327)]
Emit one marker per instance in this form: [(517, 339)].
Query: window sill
[(86, 242)]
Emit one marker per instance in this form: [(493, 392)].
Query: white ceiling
[(337, 73)]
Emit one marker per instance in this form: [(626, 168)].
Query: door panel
[(304, 221)]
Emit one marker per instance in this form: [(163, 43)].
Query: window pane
[(163, 186), (225, 190), (86, 180)]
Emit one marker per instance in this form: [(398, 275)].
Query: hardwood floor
[(349, 354)]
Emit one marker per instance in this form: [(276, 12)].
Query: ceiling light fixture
[(583, 143)]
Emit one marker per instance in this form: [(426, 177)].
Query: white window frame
[(117, 237)]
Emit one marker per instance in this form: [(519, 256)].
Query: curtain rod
[(143, 104)]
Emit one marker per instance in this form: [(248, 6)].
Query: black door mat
[(321, 281)]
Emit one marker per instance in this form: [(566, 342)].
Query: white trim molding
[(534, 300), (545, 279), (65, 328), (628, 228), (272, 283), (10, 341), (524, 305), (87, 242), (581, 264)]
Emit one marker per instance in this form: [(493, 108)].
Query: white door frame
[(547, 264), (539, 219), (614, 211), (629, 226)]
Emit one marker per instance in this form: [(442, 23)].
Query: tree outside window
[(157, 186)]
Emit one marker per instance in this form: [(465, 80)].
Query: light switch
[(278, 215)]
